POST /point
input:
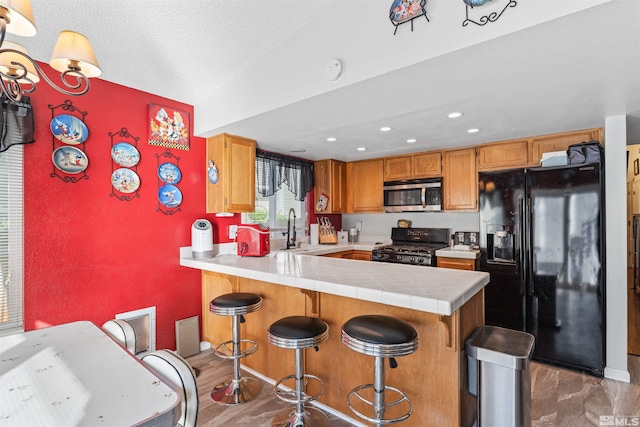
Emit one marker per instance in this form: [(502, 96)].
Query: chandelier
[(72, 56)]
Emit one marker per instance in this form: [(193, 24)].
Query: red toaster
[(253, 240)]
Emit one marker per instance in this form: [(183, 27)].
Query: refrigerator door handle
[(529, 255), (521, 255)]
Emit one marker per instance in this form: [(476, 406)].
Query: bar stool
[(381, 337), (298, 333), (236, 390)]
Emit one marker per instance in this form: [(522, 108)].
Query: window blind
[(11, 239)]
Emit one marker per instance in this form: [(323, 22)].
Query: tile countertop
[(458, 253), (429, 289)]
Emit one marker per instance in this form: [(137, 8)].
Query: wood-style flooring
[(633, 312)]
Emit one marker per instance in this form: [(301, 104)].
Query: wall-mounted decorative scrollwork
[(169, 175), (483, 20), (68, 136), (125, 157)]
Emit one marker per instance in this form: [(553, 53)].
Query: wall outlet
[(359, 225), (233, 231)]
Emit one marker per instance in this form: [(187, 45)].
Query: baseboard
[(617, 374)]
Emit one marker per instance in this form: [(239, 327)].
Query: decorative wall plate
[(405, 10), (169, 173), (125, 154), (125, 180), (69, 129), (170, 196), (69, 160)]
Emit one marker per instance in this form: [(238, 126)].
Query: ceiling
[(565, 74)]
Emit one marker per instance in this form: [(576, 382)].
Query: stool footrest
[(284, 394), (225, 350), (402, 398)]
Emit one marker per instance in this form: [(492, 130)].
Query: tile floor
[(560, 398)]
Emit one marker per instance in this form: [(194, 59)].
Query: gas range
[(415, 246)]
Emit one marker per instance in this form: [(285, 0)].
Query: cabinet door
[(361, 255), (560, 142), (235, 159), (457, 263), (503, 155), (460, 181), (331, 179), (365, 186), (427, 165), (397, 168)]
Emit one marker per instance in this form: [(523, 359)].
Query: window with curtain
[(11, 238), (282, 183)]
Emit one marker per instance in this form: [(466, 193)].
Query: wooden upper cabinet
[(397, 168), (423, 165), (365, 180), (427, 165), (331, 179), (560, 142), (235, 159), (503, 155), (460, 180)]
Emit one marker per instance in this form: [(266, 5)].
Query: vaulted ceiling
[(256, 68)]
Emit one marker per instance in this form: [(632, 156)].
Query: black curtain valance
[(272, 170), (16, 122)]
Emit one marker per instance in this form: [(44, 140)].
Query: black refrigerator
[(542, 241)]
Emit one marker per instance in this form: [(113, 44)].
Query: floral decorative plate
[(69, 129), (170, 196), (69, 160), (169, 173), (125, 154), (125, 180)]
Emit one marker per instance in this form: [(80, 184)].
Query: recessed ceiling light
[(411, 141), (331, 139), (385, 129), (473, 130), (361, 148), (454, 115), (297, 150)]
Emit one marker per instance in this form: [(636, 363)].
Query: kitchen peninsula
[(444, 305)]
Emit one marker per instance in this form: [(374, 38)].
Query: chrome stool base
[(378, 411), (310, 417), (233, 392)]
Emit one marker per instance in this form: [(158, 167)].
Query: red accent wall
[(89, 256)]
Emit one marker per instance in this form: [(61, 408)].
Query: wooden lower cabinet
[(458, 263), (434, 377), (351, 254)]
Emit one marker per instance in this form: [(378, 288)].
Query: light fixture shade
[(7, 57), (20, 16), (74, 47)]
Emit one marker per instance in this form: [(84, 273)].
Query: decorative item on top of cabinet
[(169, 195), (68, 136), (235, 159), (125, 156), (460, 180), (330, 186), (365, 178), (560, 142), (503, 155)]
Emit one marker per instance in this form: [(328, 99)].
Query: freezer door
[(565, 304), (501, 196)]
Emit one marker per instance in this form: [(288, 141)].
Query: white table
[(76, 375)]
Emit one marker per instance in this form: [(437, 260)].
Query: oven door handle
[(424, 197)]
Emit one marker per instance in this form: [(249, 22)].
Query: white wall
[(615, 136)]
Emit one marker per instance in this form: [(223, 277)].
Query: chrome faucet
[(291, 232)]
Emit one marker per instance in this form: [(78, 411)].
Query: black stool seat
[(298, 332), (379, 335), (235, 304)]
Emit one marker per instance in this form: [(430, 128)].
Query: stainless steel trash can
[(499, 376)]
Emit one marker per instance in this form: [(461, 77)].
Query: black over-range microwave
[(419, 195)]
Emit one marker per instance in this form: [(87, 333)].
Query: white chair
[(122, 332), (177, 372)]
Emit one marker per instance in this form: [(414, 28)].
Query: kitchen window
[(11, 238), (282, 183)]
